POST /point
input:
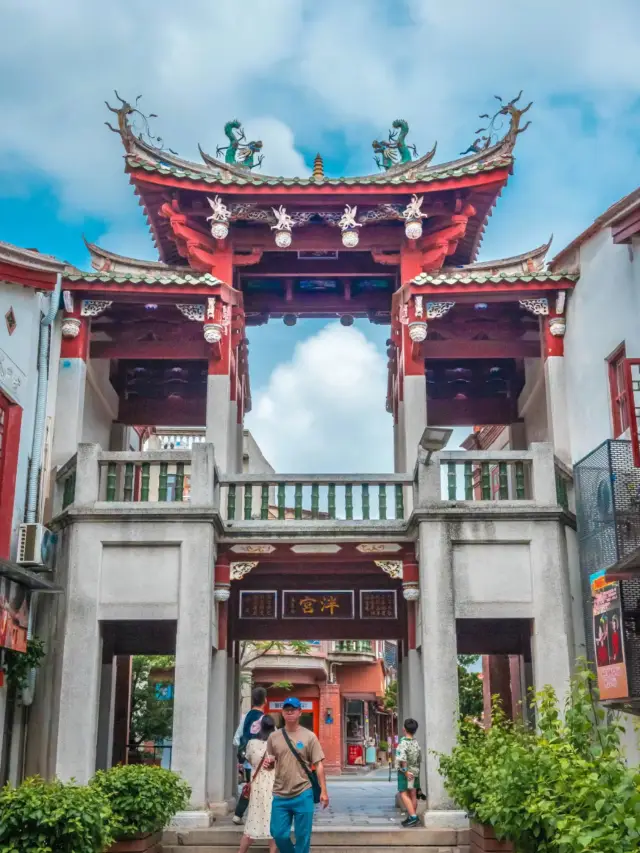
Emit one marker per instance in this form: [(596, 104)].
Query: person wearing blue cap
[(299, 783)]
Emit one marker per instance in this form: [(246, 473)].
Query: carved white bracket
[(435, 310), (403, 314), (410, 591), (393, 568), (561, 299), (211, 308), (67, 300), (418, 302), (93, 307), (538, 307), (226, 318), (192, 312), (241, 570)]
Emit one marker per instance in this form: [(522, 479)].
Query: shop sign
[(317, 604), (277, 706), (608, 635), (14, 615), (259, 604), (355, 753), (378, 604)]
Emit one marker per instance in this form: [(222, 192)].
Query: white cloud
[(324, 410)]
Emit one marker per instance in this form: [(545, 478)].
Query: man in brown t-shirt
[(292, 789)]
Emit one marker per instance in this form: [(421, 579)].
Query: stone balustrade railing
[(487, 478), (297, 497)]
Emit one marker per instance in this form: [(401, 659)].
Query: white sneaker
[(237, 820)]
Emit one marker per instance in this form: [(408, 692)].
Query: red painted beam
[(453, 349), (12, 414), (183, 350), (156, 412), (469, 412), (27, 277)]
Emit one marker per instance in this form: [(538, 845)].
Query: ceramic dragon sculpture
[(395, 150), (492, 129), (240, 152)]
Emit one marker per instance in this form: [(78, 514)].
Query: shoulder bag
[(312, 776), (246, 788)]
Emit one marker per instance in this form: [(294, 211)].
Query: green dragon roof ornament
[(395, 150), (239, 152)]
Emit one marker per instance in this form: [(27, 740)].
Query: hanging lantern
[(413, 216), (222, 593), (350, 238), (70, 327), (219, 230), (418, 332), (212, 333), (283, 239), (413, 229)]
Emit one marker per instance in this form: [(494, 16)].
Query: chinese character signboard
[(608, 634), (317, 604), (164, 691), (378, 604), (14, 615), (259, 604)]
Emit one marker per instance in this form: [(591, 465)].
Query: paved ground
[(368, 801), (357, 801)]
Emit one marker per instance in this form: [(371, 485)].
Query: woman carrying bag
[(259, 790)]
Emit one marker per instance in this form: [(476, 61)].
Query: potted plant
[(143, 800), (383, 749), (40, 816)]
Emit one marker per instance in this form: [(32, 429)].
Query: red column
[(75, 335), (331, 732), (11, 420), (122, 709), (496, 681)]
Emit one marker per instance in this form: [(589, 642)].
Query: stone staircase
[(325, 840)]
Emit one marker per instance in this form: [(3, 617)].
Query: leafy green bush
[(53, 817), (143, 798), (383, 746), (561, 789)]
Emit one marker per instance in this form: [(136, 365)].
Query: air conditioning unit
[(36, 546)]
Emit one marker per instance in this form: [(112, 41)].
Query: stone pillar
[(554, 376), (552, 639), (105, 716), (217, 733), (193, 665), (331, 727), (232, 720), (416, 697), (439, 659), (72, 379), (123, 665), (77, 707), (218, 418), (414, 418)]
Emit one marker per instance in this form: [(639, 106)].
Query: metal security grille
[(608, 514)]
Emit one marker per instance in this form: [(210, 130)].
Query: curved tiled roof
[(468, 276), (140, 155), (159, 276)]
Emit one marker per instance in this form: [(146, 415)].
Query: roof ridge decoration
[(31, 258), (395, 151), (103, 261), (129, 133), (490, 138), (529, 262), (146, 152), (240, 151)]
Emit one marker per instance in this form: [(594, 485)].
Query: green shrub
[(143, 798), (383, 746), (53, 817), (561, 789)]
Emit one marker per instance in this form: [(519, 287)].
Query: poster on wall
[(608, 635), (14, 615)]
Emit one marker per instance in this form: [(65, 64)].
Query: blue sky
[(306, 76)]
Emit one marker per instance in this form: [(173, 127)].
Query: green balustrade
[(452, 481), (163, 481), (382, 501), (503, 478), (315, 500), (399, 502), (332, 500), (298, 502), (520, 486), (348, 499), (281, 501), (145, 477), (468, 481), (485, 480), (248, 501), (264, 502), (128, 481), (112, 477), (231, 502), (179, 490), (365, 502)]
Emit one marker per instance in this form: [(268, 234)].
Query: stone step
[(348, 839), (315, 848)]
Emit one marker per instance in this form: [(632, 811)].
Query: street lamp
[(434, 439)]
